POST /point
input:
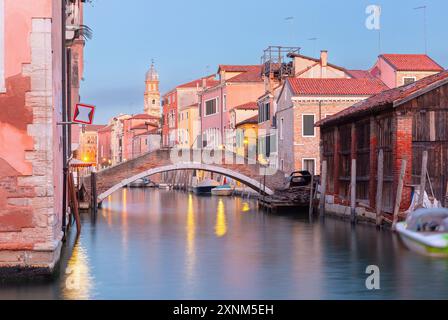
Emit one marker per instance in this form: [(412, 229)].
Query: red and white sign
[(84, 114)]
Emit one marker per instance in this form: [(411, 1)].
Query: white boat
[(164, 186), (426, 232), (224, 190)]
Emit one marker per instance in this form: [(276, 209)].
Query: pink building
[(147, 141), (238, 85), (175, 101), (105, 147), (32, 197), (133, 126), (396, 70)]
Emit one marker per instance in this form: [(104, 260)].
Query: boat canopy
[(428, 220)]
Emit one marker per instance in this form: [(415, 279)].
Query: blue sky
[(189, 39)]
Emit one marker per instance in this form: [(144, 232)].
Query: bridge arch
[(250, 182)]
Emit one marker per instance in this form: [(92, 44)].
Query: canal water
[(154, 244)]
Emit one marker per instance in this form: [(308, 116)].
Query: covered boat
[(205, 186), (426, 232)]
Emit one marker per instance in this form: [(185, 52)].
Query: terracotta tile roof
[(336, 86), (144, 126), (385, 100), (152, 131), (94, 127), (210, 82), (412, 62), (105, 128), (298, 55), (360, 74), (237, 68), (247, 106), (144, 116), (249, 73), (251, 120)]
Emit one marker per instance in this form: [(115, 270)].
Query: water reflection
[(191, 233), (153, 244), (78, 281), (221, 223)]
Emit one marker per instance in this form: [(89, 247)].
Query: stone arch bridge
[(231, 165)]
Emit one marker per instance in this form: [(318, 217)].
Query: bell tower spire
[(152, 93)]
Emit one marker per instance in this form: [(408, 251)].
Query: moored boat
[(205, 186), (164, 186), (426, 232), (224, 190)]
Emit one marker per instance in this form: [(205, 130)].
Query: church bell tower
[(152, 93)]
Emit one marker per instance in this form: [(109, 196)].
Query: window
[(408, 80), (224, 103), (2, 46), (264, 112), (282, 164), (281, 128), (211, 107), (309, 165), (308, 125)]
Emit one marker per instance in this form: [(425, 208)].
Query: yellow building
[(246, 138), (88, 144), (188, 126)]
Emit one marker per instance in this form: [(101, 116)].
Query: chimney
[(324, 58), (204, 83)]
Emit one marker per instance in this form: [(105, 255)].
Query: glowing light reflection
[(221, 223)]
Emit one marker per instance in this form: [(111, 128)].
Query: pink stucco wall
[(30, 140), (236, 94)]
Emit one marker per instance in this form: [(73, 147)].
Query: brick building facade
[(402, 123)]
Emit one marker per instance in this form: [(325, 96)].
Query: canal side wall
[(30, 140)]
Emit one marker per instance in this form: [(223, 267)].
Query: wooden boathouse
[(365, 147)]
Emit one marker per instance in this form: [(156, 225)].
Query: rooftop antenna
[(424, 26), (314, 39)]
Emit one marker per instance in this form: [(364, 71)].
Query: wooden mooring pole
[(310, 212), (379, 188), (353, 192), (399, 194), (323, 189), (94, 196), (424, 173)]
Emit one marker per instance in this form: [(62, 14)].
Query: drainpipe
[(64, 119)]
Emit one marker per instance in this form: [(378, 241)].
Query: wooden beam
[(432, 126), (74, 203), (399, 193), (423, 175), (379, 188), (353, 192), (93, 188), (323, 188)]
